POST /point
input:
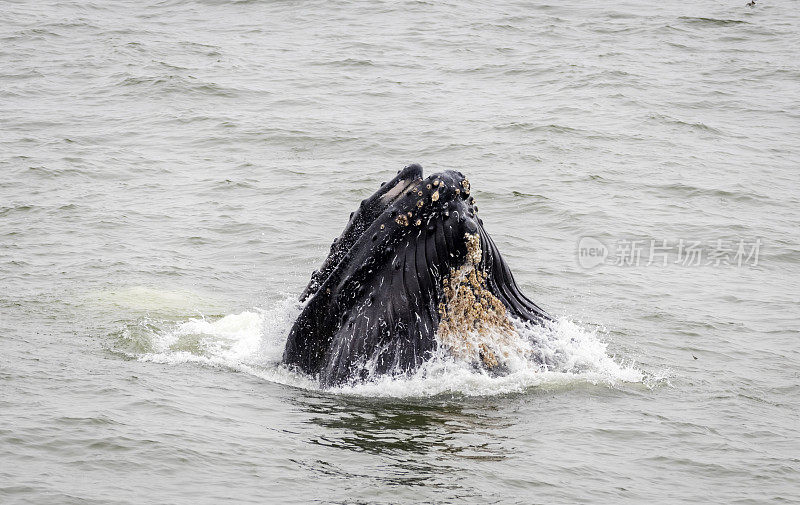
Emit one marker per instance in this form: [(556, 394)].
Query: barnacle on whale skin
[(474, 324)]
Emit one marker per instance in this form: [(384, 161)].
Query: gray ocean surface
[(172, 171)]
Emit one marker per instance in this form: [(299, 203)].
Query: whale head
[(414, 270)]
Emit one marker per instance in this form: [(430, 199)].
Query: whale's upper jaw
[(401, 212), (370, 209), (406, 200)]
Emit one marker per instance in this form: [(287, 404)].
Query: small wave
[(531, 127), (693, 125), (711, 21), (4, 210), (252, 342), (690, 191), (535, 196), (176, 84), (346, 62)]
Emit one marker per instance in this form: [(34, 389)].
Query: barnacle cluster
[(473, 323)]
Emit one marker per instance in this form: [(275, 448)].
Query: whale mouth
[(413, 272)]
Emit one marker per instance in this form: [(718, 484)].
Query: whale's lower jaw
[(419, 275)]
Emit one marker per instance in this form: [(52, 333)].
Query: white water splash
[(575, 355), (252, 342)]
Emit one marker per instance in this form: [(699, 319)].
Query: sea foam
[(252, 342)]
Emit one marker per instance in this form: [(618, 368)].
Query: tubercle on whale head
[(437, 200), (437, 194)]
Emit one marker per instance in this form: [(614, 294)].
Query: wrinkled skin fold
[(376, 304)]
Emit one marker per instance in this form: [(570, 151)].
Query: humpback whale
[(414, 272)]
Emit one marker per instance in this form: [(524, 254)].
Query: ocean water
[(172, 171)]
